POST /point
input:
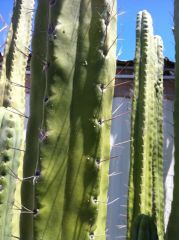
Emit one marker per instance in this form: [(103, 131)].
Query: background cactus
[(74, 130), (12, 111), (146, 128)]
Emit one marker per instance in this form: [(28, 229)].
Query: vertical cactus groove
[(38, 99), (144, 178), (68, 200), (12, 102), (172, 229)]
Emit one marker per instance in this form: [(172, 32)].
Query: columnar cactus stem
[(12, 111), (142, 180), (75, 127), (172, 229)]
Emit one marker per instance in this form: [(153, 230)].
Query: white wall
[(118, 186)]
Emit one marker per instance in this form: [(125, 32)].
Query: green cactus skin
[(37, 97), (144, 228), (73, 182), (144, 179), (10, 140), (172, 228)]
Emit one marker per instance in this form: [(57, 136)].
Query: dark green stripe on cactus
[(38, 99)]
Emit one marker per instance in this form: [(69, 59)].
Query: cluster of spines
[(143, 171)]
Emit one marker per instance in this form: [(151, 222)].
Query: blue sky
[(5, 12), (162, 14), (161, 11)]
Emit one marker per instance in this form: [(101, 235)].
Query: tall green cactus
[(68, 196), (12, 115), (172, 228), (146, 128)]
